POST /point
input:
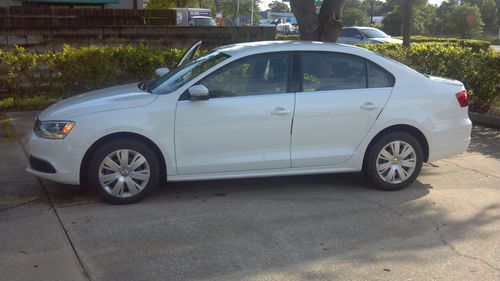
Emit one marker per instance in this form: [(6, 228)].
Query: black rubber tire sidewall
[(106, 149), (370, 169)]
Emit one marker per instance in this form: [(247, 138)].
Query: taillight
[(462, 98)]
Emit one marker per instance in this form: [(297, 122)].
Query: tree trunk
[(407, 15), (323, 27)]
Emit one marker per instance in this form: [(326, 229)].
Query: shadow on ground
[(486, 141)]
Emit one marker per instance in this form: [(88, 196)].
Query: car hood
[(119, 97), (387, 40)]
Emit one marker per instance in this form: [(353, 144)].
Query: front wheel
[(124, 171), (394, 161)]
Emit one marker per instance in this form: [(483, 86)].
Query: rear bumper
[(450, 141)]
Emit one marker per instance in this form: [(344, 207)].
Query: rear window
[(379, 77)]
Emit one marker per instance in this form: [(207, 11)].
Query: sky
[(264, 3)]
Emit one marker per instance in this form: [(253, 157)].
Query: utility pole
[(251, 19), (442, 19), (238, 12), (371, 14)]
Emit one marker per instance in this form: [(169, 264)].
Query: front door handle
[(280, 111), (368, 106)]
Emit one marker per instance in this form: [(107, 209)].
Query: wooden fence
[(41, 16), (47, 39)]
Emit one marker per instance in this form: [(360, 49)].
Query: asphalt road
[(445, 226)]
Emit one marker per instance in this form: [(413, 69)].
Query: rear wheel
[(394, 161), (124, 171)]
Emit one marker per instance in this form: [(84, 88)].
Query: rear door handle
[(368, 106), (280, 111)]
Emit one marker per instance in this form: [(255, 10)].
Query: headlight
[(53, 129)]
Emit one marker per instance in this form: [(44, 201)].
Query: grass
[(35, 102)]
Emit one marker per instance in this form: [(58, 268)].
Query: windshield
[(177, 77), (373, 33), (204, 22)]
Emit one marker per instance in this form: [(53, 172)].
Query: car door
[(244, 125), (189, 54), (341, 97), (349, 36)]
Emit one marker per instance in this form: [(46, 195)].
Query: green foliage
[(423, 20), (287, 37), (465, 21), (475, 45), (477, 70), (354, 16), (495, 41), (35, 102), (280, 7), (75, 70), (488, 11)]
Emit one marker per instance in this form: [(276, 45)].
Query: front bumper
[(56, 160)]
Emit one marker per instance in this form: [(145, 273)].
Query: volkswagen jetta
[(254, 109)]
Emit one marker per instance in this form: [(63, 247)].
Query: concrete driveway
[(445, 226)]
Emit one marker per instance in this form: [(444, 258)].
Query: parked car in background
[(202, 21), (254, 109), (185, 16), (363, 35), (286, 29)]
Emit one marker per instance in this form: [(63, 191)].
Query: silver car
[(363, 34)]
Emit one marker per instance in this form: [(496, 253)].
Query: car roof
[(249, 48), (359, 27), (201, 17)]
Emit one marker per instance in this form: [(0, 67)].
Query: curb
[(485, 120)]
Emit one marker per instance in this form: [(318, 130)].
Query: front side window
[(178, 77), (252, 75), (373, 33), (332, 71)]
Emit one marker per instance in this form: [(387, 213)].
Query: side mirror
[(161, 71), (198, 92)]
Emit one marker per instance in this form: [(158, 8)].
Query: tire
[(399, 170), (133, 176)]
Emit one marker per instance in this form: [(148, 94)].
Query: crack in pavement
[(454, 250), (440, 235), (2, 210), (470, 169), (47, 198)]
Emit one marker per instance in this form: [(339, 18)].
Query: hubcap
[(396, 162), (124, 173)]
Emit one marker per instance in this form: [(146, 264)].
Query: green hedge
[(479, 71), (287, 37), (75, 70), (476, 45)]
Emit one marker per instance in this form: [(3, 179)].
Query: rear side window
[(379, 77), (323, 71)]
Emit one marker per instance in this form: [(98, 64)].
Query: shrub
[(475, 45), (287, 37), (479, 70), (75, 70)]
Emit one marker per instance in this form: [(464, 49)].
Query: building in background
[(111, 4)]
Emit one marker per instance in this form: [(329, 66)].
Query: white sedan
[(250, 110)]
